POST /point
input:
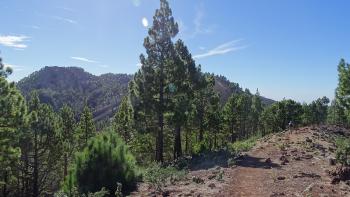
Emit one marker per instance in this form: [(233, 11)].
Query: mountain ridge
[(75, 86)]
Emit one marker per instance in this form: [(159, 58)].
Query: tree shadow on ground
[(209, 160), (255, 162)]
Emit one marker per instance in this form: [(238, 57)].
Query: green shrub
[(343, 151), (243, 145), (200, 147), (104, 163), (157, 176)]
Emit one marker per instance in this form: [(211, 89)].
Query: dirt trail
[(291, 163)]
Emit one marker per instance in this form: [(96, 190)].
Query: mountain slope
[(226, 88), (59, 85), (74, 86)]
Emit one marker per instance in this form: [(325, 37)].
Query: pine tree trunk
[(186, 142), (215, 141), (4, 188), (232, 134), (25, 172), (177, 142), (201, 127), (65, 171), (35, 168), (159, 140)]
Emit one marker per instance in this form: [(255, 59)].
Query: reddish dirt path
[(285, 164), (305, 173), (249, 178)]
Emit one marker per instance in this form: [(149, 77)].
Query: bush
[(157, 176), (243, 145), (343, 151), (200, 147), (104, 163)]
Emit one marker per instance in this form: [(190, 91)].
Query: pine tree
[(213, 120), (342, 94), (320, 107), (123, 120), (307, 117), (336, 114), (105, 162), (12, 117), (244, 103), (4, 71), (151, 83), (67, 136), (277, 116), (86, 127), (269, 120), (204, 91), (256, 110), (184, 76), (230, 115), (343, 89), (44, 148)]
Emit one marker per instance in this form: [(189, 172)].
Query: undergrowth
[(158, 176), (243, 145)]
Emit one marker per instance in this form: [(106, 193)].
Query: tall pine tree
[(342, 94), (151, 83), (123, 120), (183, 75), (86, 127), (44, 148), (12, 117), (230, 117), (67, 135)]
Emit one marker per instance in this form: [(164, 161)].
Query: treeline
[(171, 110), (37, 144), (47, 153)]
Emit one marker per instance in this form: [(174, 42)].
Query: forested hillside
[(74, 86)]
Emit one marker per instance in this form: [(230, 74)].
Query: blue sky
[(287, 49)]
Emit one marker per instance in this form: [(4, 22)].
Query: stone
[(308, 140), (297, 158), (284, 160), (197, 180), (281, 178), (308, 156), (212, 185), (268, 160), (332, 161), (335, 180), (210, 177)]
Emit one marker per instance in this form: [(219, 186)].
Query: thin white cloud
[(66, 9), (136, 3), (15, 68), (67, 20), (199, 28), (83, 59), (14, 41), (103, 66), (222, 49), (35, 27)]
